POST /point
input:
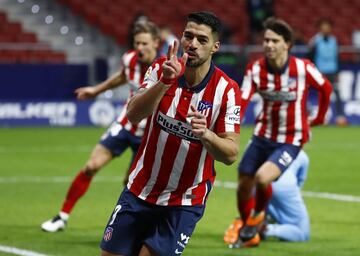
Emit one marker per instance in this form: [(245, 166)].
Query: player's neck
[(150, 60), (194, 75), (279, 63)]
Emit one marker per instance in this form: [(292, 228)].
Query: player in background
[(287, 210), (324, 53), (286, 207), (282, 127), (193, 111), (122, 134)]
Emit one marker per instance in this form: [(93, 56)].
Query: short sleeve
[(152, 75), (229, 116)]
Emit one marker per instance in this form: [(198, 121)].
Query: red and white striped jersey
[(172, 167), (134, 72), (284, 117)]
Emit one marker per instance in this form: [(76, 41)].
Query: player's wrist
[(166, 80)]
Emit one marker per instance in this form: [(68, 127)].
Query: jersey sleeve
[(229, 115), (153, 73), (248, 89), (319, 82)]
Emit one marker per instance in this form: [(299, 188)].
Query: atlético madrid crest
[(108, 234), (204, 107)]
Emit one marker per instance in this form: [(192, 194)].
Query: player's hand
[(173, 67), (198, 123), (84, 93)]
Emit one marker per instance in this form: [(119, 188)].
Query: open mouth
[(192, 54), (140, 54)]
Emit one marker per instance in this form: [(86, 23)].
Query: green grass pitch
[(37, 165)]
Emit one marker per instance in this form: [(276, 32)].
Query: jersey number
[(117, 209)]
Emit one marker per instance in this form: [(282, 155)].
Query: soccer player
[(282, 127), (122, 133), (287, 207), (193, 111)]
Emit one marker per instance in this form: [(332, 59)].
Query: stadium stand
[(12, 32), (111, 20)]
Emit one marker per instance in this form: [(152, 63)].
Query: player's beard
[(194, 63)]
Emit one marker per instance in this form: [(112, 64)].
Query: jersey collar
[(280, 71), (202, 84)]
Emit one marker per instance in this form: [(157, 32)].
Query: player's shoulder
[(157, 63), (306, 61), (128, 57), (257, 64), (219, 73), (129, 53)]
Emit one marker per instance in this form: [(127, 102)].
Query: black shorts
[(134, 222)]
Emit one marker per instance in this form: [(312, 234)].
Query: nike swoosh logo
[(177, 251)]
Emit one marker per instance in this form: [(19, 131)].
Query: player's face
[(198, 42), (274, 45), (145, 46), (325, 28)]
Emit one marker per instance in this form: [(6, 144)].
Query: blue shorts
[(134, 222), (261, 150), (117, 140)]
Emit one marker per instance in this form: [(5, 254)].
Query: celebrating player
[(122, 133), (282, 126), (193, 112)]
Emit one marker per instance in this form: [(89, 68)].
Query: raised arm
[(89, 92), (143, 104)]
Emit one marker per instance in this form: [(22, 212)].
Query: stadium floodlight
[(64, 30), (35, 8), (79, 40), (49, 19)]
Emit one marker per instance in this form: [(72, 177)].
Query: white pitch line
[(325, 195), (17, 251), (46, 149), (118, 179)]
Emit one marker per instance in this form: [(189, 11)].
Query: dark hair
[(279, 27), (208, 19), (146, 27)]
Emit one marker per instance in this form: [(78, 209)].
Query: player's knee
[(262, 181), (91, 168)]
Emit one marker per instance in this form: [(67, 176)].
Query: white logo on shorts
[(178, 252), (285, 159), (184, 239)]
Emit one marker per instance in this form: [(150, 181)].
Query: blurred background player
[(282, 127), (194, 119), (325, 55), (287, 211), (121, 134), (287, 208)]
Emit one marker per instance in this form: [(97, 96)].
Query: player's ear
[(288, 45), (157, 43), (216, 47)]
